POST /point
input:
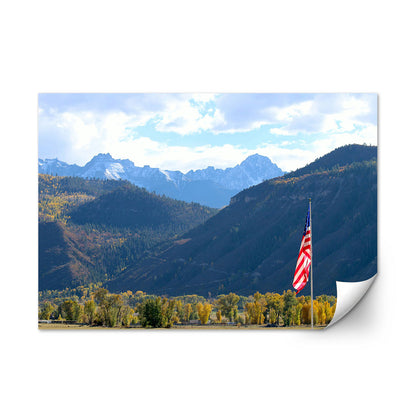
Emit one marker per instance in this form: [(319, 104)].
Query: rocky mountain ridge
[(212, 187)]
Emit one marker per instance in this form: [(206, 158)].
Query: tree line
[(98, 307)]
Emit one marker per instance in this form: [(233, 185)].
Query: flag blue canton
[(307, 222)]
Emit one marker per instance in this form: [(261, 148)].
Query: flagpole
[(310, 224)]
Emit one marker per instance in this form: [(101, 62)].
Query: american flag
[(305, 256)]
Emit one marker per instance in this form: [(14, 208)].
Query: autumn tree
[(328, 312), (333, 307), (321, 314), (256, 309), (126, 315), (114, 305), (301, 300), (272, 316), (227, 304), (306, 313), (46, 310), (180, 310), (275, 305), (187, 312), (110, 306), (89, 310), (207, 311), (100, 295), (204, 311), (71, 310), (168, 312), (218, 316)]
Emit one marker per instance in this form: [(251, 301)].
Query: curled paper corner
[(348, 295)]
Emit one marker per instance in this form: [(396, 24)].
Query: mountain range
[(112, 232), (211, 187)]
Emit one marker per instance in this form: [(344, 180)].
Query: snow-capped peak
[(176, 184)]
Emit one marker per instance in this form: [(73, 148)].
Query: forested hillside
[(132, 207), (91, 230)]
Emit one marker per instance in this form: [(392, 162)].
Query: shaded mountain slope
[(61, 263), (253, 243)]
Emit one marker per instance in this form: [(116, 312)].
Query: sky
[(193, 131)]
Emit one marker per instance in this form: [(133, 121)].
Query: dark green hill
[(341, 156), (57, 185), (133, 207), (253, 243)]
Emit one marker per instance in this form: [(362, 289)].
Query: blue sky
[(191, 131)]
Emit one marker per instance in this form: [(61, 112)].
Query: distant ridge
[(342, 156)]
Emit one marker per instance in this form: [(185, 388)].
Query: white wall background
[(361, 364)]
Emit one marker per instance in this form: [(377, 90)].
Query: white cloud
[(291, 112), (182, 117), (179, 113), (76, 137), (328, 113), (277, 131), (144, 151), (287, 159), (286, 143)]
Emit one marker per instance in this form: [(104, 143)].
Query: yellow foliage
[(188, 311), (219, 316), (57, 207), (204, 311), (255, 310)]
